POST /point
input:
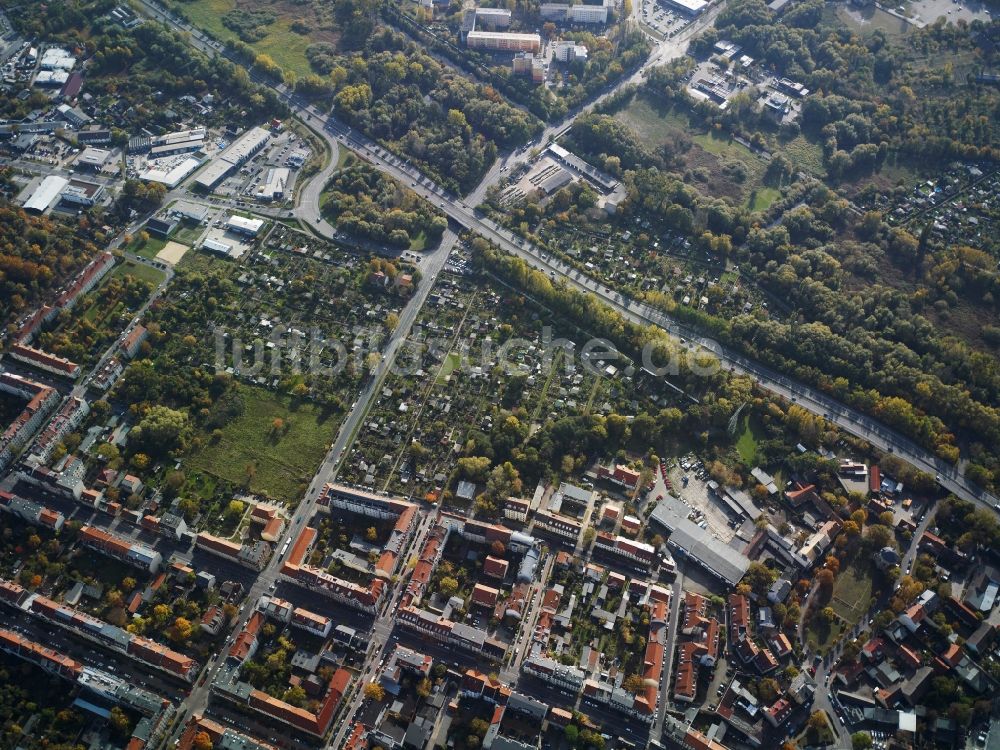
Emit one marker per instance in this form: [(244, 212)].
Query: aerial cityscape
[(428, 375)]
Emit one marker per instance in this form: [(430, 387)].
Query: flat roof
[(504, 35), (46, 193), (711, 553), (170, 177), (214, 172), (245, 224), (693, 6)]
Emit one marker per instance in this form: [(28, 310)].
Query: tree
[(181, 630), (371, 534), (768, 690), (120, 723), (202, 741), (295, 696), (424, 687), (824, 578), (128, 583), (633, 684), (448, 586), (759, 578), (498, 549), (235, 509), (162, 430), (572, 733), (277, 425), (861, 741), (374, 692), (817, 721)]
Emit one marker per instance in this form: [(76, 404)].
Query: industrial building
[(689, 540), (171, 174), (273, 186), (235, 155), (46, 194), (692, 8), (93, 158), (243, 225), (82, 193)]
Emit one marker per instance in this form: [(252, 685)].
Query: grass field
[(281, 463), (701, 150), (140, 271), (187, 232), (147, 249), (805, 155), (418, 243), (283, 45), (450, 364), (746, 444), (760, 199), (866, 20), (852, 591)]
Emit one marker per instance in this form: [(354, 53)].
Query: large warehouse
[(46, 194), (235, 155), (690, 7), (689, 540)]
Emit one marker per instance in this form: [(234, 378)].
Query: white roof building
[(244, 225), (46, 194), (169, 173)]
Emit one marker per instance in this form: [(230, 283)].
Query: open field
[(284, 46), (708, 154), (172, 253), (187, 232), (138, 271), (746, 444), (281, 460), (147, 249), (867, 20), (852, 591)]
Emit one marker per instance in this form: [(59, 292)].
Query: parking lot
[(661, 19), (929, 11), (692, 486)]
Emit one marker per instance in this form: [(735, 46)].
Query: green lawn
[(282, 462), (746, 443), (188, 232), (140, 271), (852, 590), (450, 364), (147, 249), (760, 199), (418, 243)]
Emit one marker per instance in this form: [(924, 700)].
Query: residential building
[(133, 553), (253, 556), (495, 41)]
